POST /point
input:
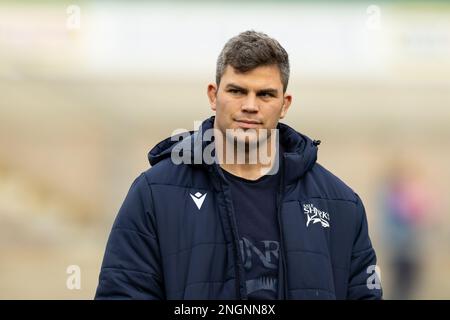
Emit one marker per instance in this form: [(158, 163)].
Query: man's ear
[(287, 103), (212, 95)]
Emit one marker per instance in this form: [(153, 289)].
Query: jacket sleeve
[(131, 267), (364, 282)]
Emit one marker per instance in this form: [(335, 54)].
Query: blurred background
[(87, 88)]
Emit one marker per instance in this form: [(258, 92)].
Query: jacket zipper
[(237, 253), (280, 228), (235, 236)]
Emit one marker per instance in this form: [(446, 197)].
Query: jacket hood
[(300, 152)]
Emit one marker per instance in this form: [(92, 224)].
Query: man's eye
[(234, 91), (266, 95)]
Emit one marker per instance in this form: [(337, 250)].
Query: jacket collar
[(299, 151)]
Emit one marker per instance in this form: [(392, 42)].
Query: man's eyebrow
[(266, 90), (235, 86)]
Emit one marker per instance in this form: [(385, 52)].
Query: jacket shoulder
[(320, 182), (166, 172)]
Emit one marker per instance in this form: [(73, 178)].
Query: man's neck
[(246, 171), (250, 170)]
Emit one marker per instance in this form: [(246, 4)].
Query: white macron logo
[(315, 215), (198, 199)]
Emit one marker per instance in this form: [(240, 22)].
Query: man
[(280, 227)]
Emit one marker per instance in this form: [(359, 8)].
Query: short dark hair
[(251, 49)]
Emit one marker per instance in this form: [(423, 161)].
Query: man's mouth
[(248, 123)]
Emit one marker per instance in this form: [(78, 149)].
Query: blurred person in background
[(406, 203)]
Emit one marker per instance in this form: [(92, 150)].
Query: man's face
[(251, 100)]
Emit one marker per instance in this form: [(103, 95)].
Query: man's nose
[(250, 104)]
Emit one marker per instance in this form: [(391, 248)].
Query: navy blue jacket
[(162, 246)]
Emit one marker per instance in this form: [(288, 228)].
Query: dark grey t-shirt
[(255, 205)]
